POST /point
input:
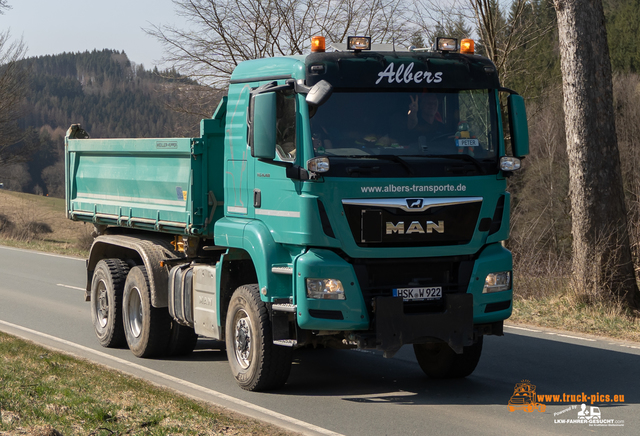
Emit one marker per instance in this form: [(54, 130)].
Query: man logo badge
[(414, 203), (415, 227)]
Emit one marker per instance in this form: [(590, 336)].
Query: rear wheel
[(107, 286), (146, 328), (438, 360), (256, 363)]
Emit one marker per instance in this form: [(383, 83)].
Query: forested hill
[(103, 91)]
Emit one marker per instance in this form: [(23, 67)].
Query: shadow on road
[(554, 367)]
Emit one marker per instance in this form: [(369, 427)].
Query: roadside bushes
[(28, 231)]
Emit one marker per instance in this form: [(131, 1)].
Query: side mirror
[(263, 127), (518, 125), (319, 93)]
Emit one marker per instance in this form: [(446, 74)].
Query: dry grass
[(557, 305), (38, 223), (48, 393)]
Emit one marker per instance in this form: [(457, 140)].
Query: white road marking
[(629, 346), (550, 333), (71, 287), (185, 383), (42, 253), (521, 328), (577, 337), (619, 344)]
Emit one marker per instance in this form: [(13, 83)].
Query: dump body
[(171, 185)]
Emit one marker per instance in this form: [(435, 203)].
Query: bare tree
[(222, 33), (602, 263), (13, 86), (506, 31)]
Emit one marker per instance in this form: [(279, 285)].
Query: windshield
[(454, 125)]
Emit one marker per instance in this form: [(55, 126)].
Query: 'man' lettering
[(433, 227), (414, 227), (395, 228)]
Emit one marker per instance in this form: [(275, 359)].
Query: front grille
[(378, 278), (387, 225)]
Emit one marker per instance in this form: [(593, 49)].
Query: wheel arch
[(253, 254), (236, 269), (139, 250)]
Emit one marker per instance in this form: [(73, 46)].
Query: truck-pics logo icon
[(524, 398)]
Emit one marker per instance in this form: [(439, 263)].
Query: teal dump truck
[(353, 198)]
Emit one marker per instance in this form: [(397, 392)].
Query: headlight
[(327, 289), (496, 282), (318, 164), (510, 163)]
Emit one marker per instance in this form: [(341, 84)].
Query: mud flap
[(394, 328)]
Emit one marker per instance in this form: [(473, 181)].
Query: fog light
[(496, 282), (325, 289)]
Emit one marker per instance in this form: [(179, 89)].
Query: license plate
[(418, 294), (467, 142)]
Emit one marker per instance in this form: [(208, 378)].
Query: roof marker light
[(317, 44), (467, 46)]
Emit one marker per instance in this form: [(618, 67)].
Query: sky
[(56, 26)]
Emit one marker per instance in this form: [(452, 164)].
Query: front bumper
[(383, 322)]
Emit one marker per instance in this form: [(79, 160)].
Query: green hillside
[(105, 92)]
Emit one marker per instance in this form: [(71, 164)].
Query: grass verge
[(38, 223), (45, 393), (555, 305)]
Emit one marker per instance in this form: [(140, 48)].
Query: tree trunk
[(602, 262)]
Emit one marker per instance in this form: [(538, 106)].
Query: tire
[(439, 361), (256, 363), (146, 328), (182, 340), (107, 286)]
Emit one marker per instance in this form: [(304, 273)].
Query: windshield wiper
[(464, 157), (389, 157)]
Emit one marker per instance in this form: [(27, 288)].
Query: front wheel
[(256, 363), (438, 360), (146, 328)]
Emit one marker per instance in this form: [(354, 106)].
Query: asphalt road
[(351, 392)]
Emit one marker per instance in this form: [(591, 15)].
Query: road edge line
[(245, 404)]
